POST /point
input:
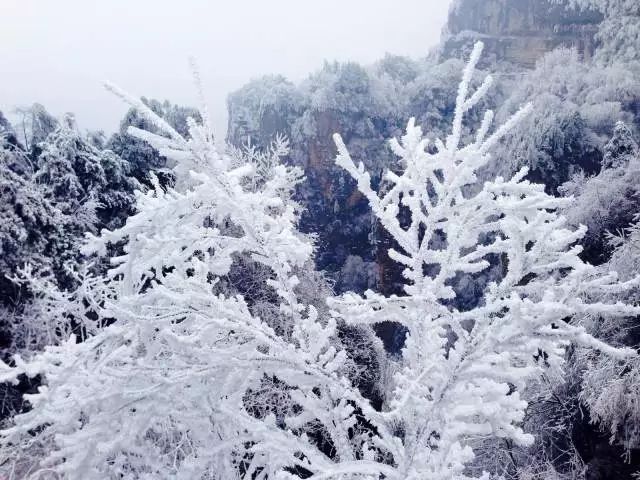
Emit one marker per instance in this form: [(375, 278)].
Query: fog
[(58, 52)]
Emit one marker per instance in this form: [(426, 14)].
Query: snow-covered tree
[(183, 372), (8, 137), (621, 149), (611, 390), (29, 223), (30, 232), (462, 371), (70, 171), (607, 201), (36, 123), (54, 193), (177, 378), (577, 106), (90, 187)]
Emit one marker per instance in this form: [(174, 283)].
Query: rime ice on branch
[(178, 377), (462, 370)]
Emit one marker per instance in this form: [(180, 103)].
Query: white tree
[(463, 371), (177, 378), (180, 378)]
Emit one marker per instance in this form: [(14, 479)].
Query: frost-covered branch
[(462, 371), (179, 377)]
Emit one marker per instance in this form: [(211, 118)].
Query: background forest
[(578, 63)]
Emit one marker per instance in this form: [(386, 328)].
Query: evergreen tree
[(29, 225), (70, 188), (90, 187), (621, 149)]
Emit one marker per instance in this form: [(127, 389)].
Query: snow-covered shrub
[(611, 390), (462, 371), (177, 376)]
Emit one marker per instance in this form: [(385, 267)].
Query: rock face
[(518, 31)]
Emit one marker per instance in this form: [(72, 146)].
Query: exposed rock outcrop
[(518, 31)]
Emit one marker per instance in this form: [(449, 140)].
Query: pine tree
[(90, 187), (29, 224), (70, 171), (621, 149)]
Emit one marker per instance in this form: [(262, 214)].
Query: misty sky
[(57, 52)]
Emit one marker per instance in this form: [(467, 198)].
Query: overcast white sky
[(57, 52)]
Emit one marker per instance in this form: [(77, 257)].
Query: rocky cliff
[(518, 31)]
